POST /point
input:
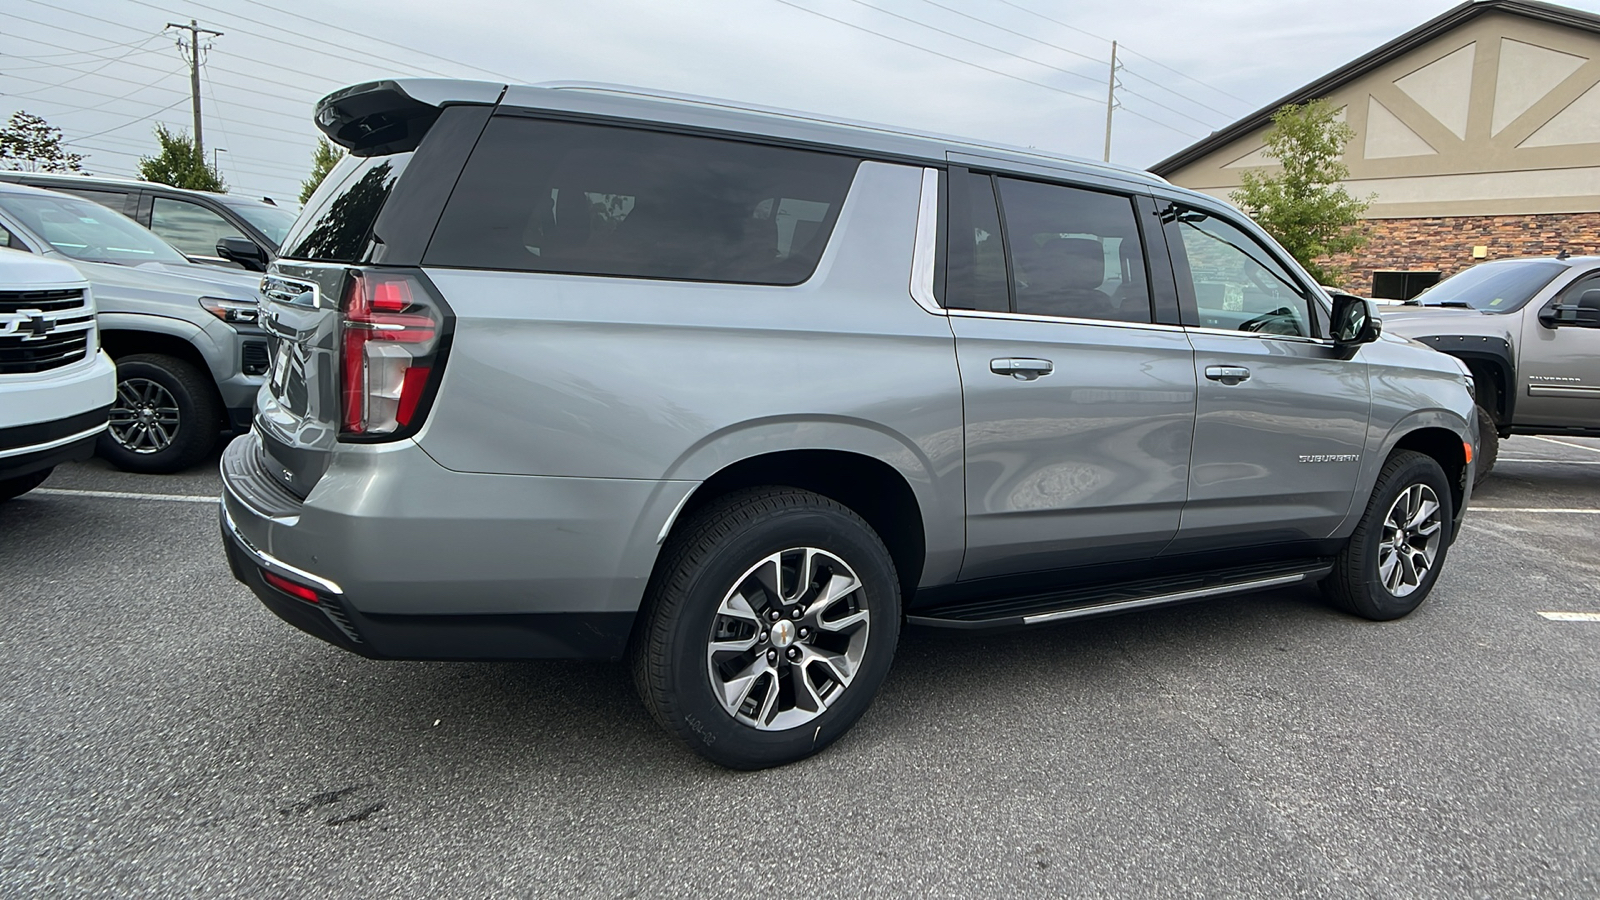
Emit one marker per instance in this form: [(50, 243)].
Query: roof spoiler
[(391, 116)]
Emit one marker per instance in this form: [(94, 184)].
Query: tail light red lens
[(389, 347), (298, 591)]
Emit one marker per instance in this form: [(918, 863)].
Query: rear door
[(1078, 383), (1281, 419)]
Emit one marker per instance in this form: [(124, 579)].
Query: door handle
[(1228, 374), (1022, 369)]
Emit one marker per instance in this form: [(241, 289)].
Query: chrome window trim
[(925, 251), (1233, 332), (1030, 317)]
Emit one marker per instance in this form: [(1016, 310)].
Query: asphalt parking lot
[(164, 735)]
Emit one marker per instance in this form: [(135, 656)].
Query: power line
[(133, 122), (1097, 37), (977, 43), (980, 66), (1072, 52)]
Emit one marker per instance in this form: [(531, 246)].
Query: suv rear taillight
[(391, 350)]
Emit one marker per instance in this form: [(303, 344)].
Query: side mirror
[(242, 251), (1583, 314), (1355, 321)]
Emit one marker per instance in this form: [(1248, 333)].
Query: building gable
[(1488, 110)]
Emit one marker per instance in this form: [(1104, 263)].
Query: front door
[(1079, 406), (1559, 368), (1281, 420)]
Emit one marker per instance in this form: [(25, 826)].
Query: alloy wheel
[(788, 638), (1409, 546), (144, 418)]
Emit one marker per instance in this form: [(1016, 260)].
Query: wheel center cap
[(784, 633)]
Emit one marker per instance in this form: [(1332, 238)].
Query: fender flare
[(1496, 351)]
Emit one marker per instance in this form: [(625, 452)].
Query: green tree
[(1304, 204), (180, 164), (29, 144), (323, 159)]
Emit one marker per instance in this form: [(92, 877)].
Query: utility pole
[(1111, 98), (193, 60)]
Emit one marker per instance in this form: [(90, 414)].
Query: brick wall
[(1445, 245)]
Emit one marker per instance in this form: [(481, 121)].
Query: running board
[(1114, 598)]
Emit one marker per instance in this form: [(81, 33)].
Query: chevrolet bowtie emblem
[(39, 325)]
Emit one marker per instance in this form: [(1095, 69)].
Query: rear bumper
[(414, 561)]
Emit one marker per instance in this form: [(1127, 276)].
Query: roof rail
[(599, 87)]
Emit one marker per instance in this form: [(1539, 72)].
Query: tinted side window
[(337, 227), (975, 277), (1238, 286), (1074, 252), (540, 196), (189, 226)]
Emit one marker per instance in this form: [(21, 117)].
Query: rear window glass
[(540, 196), (336, 224)]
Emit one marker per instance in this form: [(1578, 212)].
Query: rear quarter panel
[(596, 377)]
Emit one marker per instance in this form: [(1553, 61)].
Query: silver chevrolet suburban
[(735, 393)]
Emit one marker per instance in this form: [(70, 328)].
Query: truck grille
[(42, 301), (21, 354)]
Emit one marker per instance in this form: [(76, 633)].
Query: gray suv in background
[(576, 371), (189, 355)]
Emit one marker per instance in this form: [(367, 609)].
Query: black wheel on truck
[(769, 627), (1394, 557), (166, 415)]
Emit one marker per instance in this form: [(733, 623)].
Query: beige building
[(1477, 135)]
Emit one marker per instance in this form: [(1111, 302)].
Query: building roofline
[(1416, 37)]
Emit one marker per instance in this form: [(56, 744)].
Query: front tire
[(769, 627), (1393, 559), (166, 415), (16, 487), (1488, 445)]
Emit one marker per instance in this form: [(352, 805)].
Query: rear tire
[(166, 415), (16, 487), (768, 628), (1488, 445), (1393, 559)]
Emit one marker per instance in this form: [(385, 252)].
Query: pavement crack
[(359, 816), (322, 799)]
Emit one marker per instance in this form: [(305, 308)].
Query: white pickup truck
[(56, 384)]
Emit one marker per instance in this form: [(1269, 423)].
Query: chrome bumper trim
[(58, 442), (268, 561)]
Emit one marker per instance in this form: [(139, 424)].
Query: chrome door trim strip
[(1160, 599), (1233, 332), (1030, 317), (924, 252)]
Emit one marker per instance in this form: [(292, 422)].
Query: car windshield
[(273, 221), (1493, 287), (87, 231)]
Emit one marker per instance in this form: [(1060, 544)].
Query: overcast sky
[(1023, 72)]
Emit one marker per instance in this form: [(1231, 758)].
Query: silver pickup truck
[(1529, 330)]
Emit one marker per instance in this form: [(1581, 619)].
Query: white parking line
[(1572, 616), (123, 495), (1565, 444), (1533, 509), (1559, 462)]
